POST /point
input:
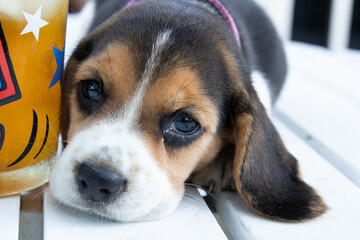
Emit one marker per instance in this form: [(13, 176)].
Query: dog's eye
[(184, 124), (91, 90), (180, 129), (90, 95)]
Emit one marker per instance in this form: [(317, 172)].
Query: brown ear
[(266, 175)]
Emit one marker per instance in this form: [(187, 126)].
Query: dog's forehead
[(124, 67), (194, 44)]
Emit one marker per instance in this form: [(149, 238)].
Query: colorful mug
[(32, 39)]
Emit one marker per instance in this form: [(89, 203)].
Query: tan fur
[(242, 127), (114, 65), (180, 89)]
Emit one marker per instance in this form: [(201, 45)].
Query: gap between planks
[(31, 223)]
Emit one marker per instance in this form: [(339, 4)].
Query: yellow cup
[(32, 35)]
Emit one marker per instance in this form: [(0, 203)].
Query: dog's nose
[(98, 184)]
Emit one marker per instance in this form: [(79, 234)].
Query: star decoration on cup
[(34, 23)]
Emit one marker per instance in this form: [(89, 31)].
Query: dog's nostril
[(105, 191), (98, 184), (118, 187), (83, 184)]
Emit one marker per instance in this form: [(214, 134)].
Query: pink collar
[(222, 10)]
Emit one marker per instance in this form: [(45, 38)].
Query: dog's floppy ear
[(266, 175)]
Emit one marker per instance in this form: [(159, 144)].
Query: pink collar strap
[(222, 10)]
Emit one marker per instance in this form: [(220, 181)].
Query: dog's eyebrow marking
[(133, 106)]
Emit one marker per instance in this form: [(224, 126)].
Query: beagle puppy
[(160, 93)]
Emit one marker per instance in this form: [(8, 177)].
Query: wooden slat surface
[(9, 218), (342, 221), (191, 220), (322, 97)]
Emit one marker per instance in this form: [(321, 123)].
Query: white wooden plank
[(9, 217), (321, 95), (191, 220), (337, 71), (340, 24), (342, 220)]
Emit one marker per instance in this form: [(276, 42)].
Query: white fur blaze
[(133, 106)]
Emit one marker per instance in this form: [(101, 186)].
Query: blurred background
[(334, 24)]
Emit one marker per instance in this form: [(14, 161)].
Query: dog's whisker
[(53, 131), (45, 149), (52, 141), (56, 136), (40, 194), (38, 145), (72, 10), (41, 126), (54, 149)]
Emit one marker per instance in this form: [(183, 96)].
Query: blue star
[(59, 57)]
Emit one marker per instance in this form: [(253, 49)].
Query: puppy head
[(150, 98), (138, 115)]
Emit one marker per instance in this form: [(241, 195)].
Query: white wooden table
[(9, 217), (318, 117)]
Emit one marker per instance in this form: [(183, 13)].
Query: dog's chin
[(122, 214), (122, 211), (156, 213)]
